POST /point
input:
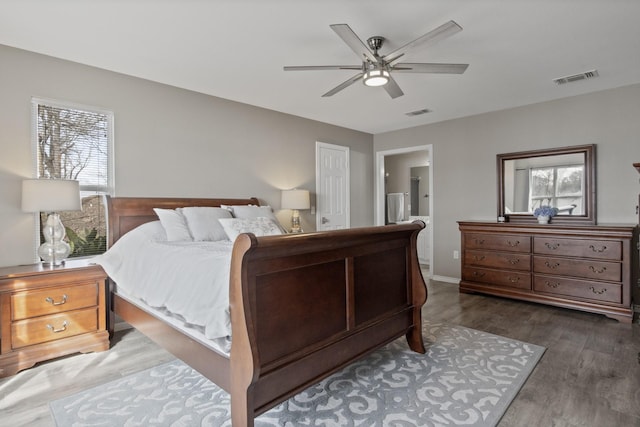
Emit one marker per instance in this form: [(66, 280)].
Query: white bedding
[(188, 279)]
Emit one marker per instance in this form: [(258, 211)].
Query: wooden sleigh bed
[(302, 306)]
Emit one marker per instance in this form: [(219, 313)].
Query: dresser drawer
[(512, 279), (589, 269), (502, 242), (597, 249), (596, 291), (57, 299), (53, 327), (512, 261)]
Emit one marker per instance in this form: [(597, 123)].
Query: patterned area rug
[(467, 377)]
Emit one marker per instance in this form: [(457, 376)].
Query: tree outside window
[(559, 186), (76, 143)]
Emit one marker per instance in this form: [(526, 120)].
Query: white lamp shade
[(50, 195), (295, 199)]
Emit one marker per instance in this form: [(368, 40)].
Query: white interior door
[(332, 187)]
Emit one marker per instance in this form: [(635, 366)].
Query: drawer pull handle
[(552, 266), (600, 292), (478, 257), (478, 274), (55, 331), (597, 271), (552, 284), (600, 250), (514, 261), (552, 246), (479, 241), (514, 279), (52, 302), (513, 244)]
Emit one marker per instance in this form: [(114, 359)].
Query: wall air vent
[(418, 112), (576, 77)]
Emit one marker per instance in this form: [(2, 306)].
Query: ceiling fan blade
[(393, 89), (353, 41), (343, 85), (321, 67), (443, 31), (406, 67)]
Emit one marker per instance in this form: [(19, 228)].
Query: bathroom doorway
[(404, 188)]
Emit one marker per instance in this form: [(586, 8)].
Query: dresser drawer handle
[(478, 274), (479, 241), (55, 331), (597, 271), (552, 246), (52, 302), (552, 284), (600, 250), (478, 257), (553, 266), (513, 244), (600, 292), (514, 261), (514, 279)]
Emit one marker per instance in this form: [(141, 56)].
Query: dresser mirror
[(563, 178)]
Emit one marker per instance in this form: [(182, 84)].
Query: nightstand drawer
[(53, 327), (53, 300)]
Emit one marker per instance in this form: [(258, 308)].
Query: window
[(560, 186), (76, 142)]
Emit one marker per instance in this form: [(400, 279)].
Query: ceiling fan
[(375, 69)]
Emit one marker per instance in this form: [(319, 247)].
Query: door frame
[(347, 189), (380, 196)]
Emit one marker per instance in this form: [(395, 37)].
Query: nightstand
[(48, 312)]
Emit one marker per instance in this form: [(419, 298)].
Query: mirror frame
[(588, 218)]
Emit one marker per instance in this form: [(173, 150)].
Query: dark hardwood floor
[(588, 376)]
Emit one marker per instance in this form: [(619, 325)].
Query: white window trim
[(35, 101)]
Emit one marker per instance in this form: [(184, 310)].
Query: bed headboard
[(126, 213)]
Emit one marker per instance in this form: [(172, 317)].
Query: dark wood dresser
[(584, 267)]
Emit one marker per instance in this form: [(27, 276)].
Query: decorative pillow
[(260, 226), (203, 222), (174, 224), (252, 211)]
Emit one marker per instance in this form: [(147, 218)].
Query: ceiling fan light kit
[(376, 77), (375, 69)]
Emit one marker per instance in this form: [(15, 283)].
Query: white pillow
[(260, 226), (203, 222), (252, 211), (174, 225)]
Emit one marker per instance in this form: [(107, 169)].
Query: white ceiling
[(235, 49)]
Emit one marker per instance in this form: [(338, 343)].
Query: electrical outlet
[(456, 255)]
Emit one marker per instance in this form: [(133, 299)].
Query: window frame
[(98, 189)]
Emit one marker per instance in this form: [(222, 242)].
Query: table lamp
[(295, 199), (52, 196)]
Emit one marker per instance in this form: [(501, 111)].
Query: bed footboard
[(304, 306)]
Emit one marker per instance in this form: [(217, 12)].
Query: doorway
[(412, 186), (332, 187)]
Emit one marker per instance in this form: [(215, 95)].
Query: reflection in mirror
[(562, 178), (556, 181), (419, 192)]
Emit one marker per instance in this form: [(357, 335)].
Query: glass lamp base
[(55, 250)]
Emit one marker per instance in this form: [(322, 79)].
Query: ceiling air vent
[(418, 112), (576, 77)]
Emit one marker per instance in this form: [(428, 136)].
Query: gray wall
[(168, 142), (464, 158)]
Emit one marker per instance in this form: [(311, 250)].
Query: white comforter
[(188, 279)]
